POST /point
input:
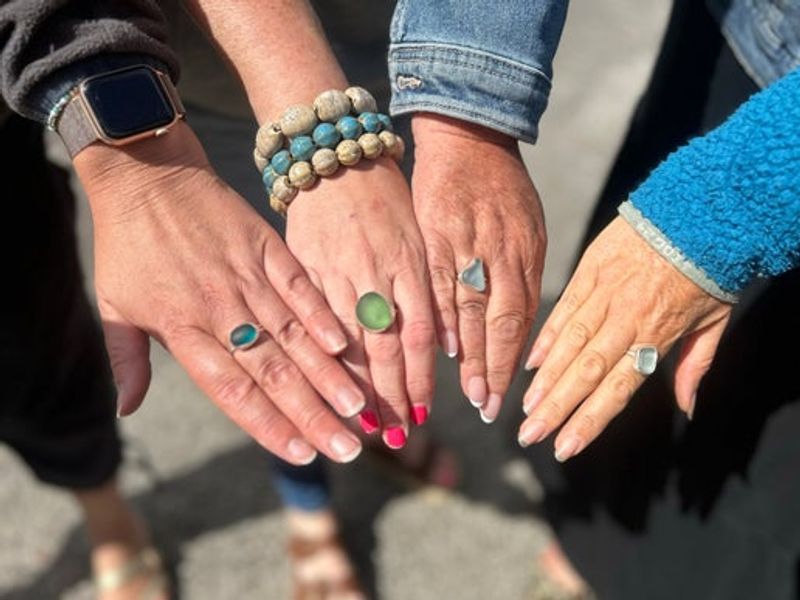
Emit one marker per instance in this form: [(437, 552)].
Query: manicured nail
[(536, 358), (368, 421), (532, 432), (350, 401), (419, 414), (451, 344), (394, 437), (120, 412), (491, 409), (301, 451), (533, 400), (568, 448), (345, 446), (690, 412), (336, 341), (476, 391)]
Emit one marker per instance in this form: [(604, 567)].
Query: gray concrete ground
[(205, 488)]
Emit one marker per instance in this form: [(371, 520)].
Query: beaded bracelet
[(311, 142)]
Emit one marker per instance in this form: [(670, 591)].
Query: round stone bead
[(269, 140), (374, 313), (325, 162), (332, 105), (371, 145), (398, 150), (370, 122), (302, 148), (389, 141), (243, 336), (283, 190), (268, 177), (349, 152), (302, 176), (386, 122), (281, 162), (361, 100), (349, 127), (326, 135), (298, 120), (261, 161), (278, 206)]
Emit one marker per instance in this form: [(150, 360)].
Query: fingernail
[(476, 391), (568, 448), (534, 399), (419, 414), (532, 432), (368, 421), (350, 402), (395, 437), (345, 446), (491, 409), (336, 341), (536, 358), (301, 451), (451, 344), (690, 412), (120, 412)]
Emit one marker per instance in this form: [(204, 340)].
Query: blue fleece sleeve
[(729, 202)]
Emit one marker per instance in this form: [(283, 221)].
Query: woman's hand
[(355, 233), (182, 257), (474, 199), (622, 295)]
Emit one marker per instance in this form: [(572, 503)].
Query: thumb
[(128, 350), (695, 360)]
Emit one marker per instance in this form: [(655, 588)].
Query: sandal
[(304, 589), (147, 563)]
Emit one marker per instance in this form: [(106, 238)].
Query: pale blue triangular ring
[(473, 275)]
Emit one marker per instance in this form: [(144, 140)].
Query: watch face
[(128, 102)]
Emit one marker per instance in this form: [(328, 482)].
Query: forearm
[(277, 48)]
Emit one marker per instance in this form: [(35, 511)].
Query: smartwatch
[(119, 107)]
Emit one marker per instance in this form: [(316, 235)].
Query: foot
[(124, 564), (321, 566), (558, 578)]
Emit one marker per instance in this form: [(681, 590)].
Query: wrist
[(427, 126)]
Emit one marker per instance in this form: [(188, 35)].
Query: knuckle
[(385, 349), (290, 333), (311, 419), (298, 285), (508, 327), (210, 295), (578, 335), (471, 309), (419, 335), (442, 280), (588, 425), (232, 390), (571, 302), (621, 389), (553, 411), (420, 388), (592, 367), (276, 372)]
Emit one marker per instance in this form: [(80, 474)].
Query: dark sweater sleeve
[(47, 46)]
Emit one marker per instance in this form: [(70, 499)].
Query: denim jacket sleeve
[(489, 63)]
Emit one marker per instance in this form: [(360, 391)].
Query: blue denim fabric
[(302, 488), (485, 62), (764, 35)]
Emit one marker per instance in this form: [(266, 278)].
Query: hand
[(474, 199), (356, 233), (179, 256), (622, 294)]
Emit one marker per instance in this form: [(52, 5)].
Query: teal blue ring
[(244, 336)]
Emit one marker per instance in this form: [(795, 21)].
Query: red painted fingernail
[(395, 437), (368, 421), (419, 414)]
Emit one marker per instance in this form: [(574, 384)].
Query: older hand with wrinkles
[(474, 199), (623, 295)]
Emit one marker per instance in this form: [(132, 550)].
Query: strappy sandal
[(301, 549), (146, 563)]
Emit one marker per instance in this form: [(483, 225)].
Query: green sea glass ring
[(374, 312), (473, 276), (645, 359), (244, 336)]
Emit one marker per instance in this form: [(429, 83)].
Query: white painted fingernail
[(350, 402), (534, 399), (491, 409), (532, 432), (568, 448), (301, 451), (476, 391), (345, 446), (451, 344)]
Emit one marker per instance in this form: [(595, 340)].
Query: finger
[(223, 380), (594, 415), (443, 283), (573, 297), (128, 350), (697, 354), (471, 306), (342, 299), (508, 319), (324, 372), (386, 366), (581, 378), (291, 282), (573, 336), (418, 337)]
